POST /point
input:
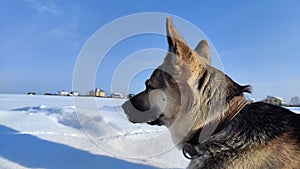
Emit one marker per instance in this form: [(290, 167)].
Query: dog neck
[(234, 107)]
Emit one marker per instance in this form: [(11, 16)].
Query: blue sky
[(257, 41)]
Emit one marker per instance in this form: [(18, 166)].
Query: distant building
[(116, 95), (273, 100), (92, 93), (97, 92), (74, 93), (63, 93), (295, 101)]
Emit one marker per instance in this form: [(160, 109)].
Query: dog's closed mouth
[(153, 122), (156, 121)]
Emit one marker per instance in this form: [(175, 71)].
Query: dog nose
[(139, 103), (135, 115), (131, 106), (125, 106)]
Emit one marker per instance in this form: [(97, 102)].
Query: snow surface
[(55, 132), (51, 132), (294, 109)]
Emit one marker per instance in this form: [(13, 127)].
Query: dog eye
[(172, 81)]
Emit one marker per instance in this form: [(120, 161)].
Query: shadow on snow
[(33, 152)]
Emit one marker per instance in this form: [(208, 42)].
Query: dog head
[(182, 93)]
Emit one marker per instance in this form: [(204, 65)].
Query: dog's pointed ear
[(203, 50), (176, 42), (182, 51)]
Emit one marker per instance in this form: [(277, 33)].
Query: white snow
[(294, 109), (55, 132), (51, 132)]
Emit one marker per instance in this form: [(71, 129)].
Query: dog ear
[(183, 52), (177, 44), (203, 50)]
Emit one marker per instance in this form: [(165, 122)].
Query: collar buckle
[(189, 151)]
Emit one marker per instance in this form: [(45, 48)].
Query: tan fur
[(185, 54), (184, 102), (282, 153)]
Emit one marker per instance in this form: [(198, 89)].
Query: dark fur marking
[(156, 80), (201, 80), (211, 77), (233, 89)]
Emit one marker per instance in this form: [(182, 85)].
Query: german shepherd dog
[(208, 117)]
